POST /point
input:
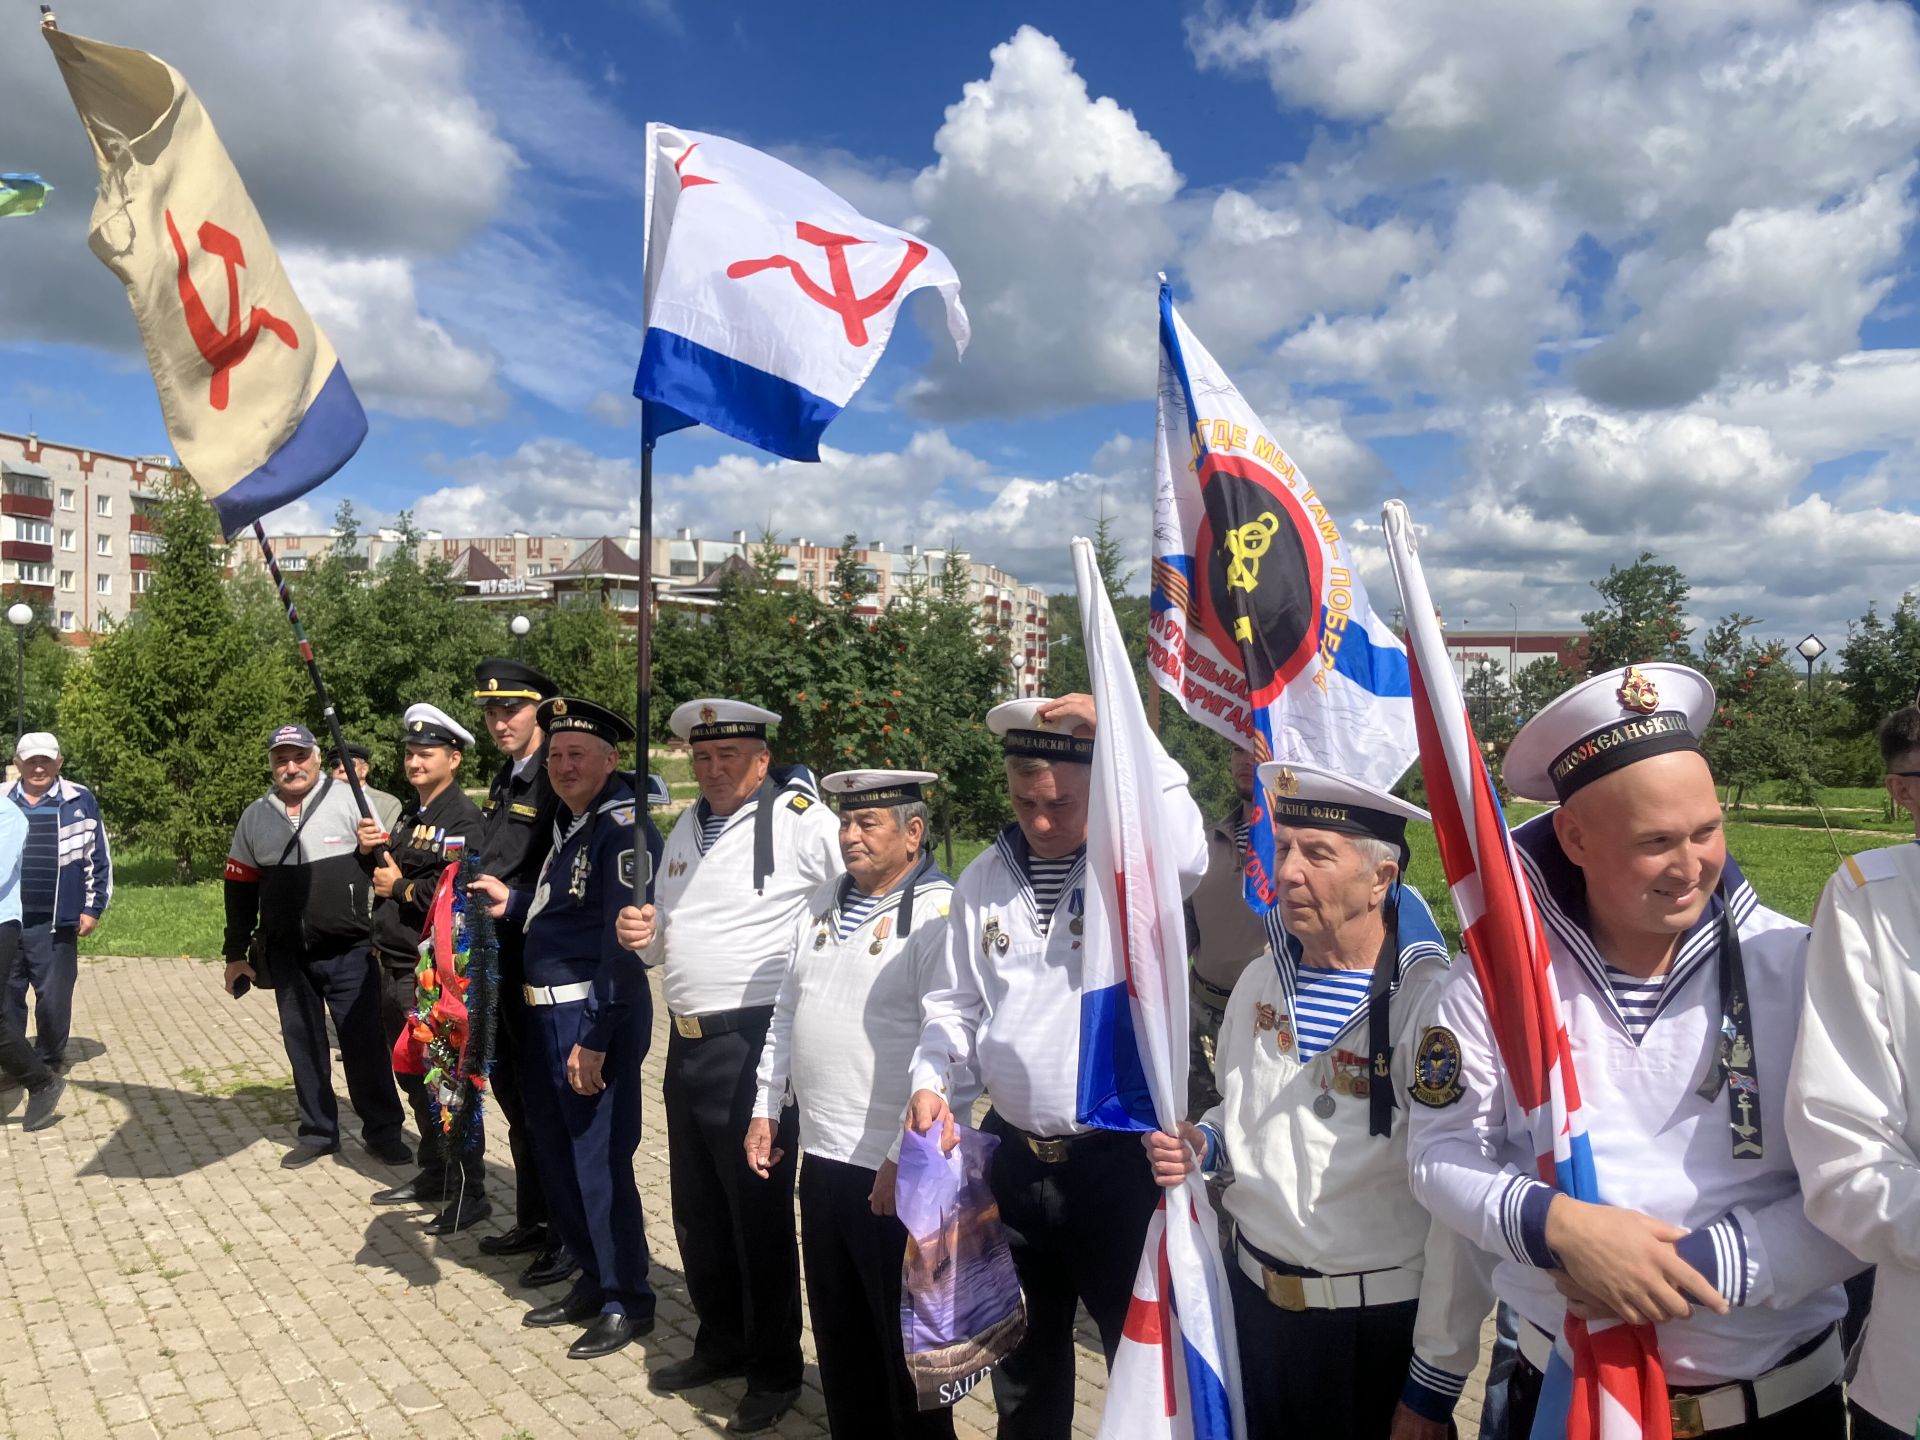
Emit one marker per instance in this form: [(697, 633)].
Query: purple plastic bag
[(961, 1311)]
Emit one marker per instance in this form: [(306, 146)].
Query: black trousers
[(1075, 1229), (1818, 1417), (49, 961), (736, 1230), (346, 986), (398, 991), (509, 1079), (852, 1259), (1872, 1427), (16, 1055), (1328, 1374)]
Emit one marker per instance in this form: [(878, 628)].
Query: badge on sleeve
[(799, 804), (627, 869), (1436, 1068)]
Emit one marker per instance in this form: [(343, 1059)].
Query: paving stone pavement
[(160, 1275)]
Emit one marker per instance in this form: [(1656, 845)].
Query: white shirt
[(1328, 1194), (725, 945), (847, 1020), (1853, 1106), (1658, 1146), (1007, 1008)]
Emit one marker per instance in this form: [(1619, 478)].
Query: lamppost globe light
[(20, 613), (520, 625), (1811, 648)]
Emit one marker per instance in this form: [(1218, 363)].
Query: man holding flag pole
[(1647, 1215)]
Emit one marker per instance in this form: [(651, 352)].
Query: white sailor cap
[(1023, 732), (1605, 723), (715, 719), (430, 725), (1315, 799), (869, 789)]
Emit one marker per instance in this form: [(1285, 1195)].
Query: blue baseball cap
[(291, 735)]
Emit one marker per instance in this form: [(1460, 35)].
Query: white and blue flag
[(1260, 622), (768, 297)]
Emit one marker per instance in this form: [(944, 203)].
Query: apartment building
[(77, 529)]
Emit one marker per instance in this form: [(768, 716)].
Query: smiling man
[(1681, 995)]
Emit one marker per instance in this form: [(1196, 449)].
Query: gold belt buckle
[(1687, 1420), (687, 1026), (1050, 1152), (1286, 1291), (527, 992)]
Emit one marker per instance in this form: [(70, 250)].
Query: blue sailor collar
[(1560, 891), (1012, 845), (924, 876), (1417, 937)]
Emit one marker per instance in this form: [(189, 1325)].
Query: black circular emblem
[(1261, 595)]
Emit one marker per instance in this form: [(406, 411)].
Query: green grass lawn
[(1788, 867)]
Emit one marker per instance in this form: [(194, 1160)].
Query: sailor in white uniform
[(1681, 995), (1853, 1102), (865, 950), (1376, 1308), (1075, 1200), (738, 872)]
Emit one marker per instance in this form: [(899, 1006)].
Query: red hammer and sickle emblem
[(223, 349), (854, 310)]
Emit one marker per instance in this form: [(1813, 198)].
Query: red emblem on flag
[(853, 308), (223, 349)]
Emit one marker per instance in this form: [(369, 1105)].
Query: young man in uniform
[(1853, 1104), (742, 864), (844, 1029), (515, 839), (1075, 1200), (1681, 996), (1335, 1266), (432, 832), (589, 1024)]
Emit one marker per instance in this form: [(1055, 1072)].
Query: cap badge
[(1637, 692), (419, 725), (707, 715), (493, 682), (1286, 782), (559, 707)]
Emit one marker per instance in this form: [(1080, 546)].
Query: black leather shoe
[(461, 1215), (549, 1267), (392, 1152), (520, 1240), (297, 1158), (760, 1410), (574, 1310), (691, 1374), (421, 1190), (42, 1103), (608, 1334)]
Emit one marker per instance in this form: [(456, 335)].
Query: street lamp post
[(1513, 650), (1019, 663), (1811, 649), (519, 625), (20, 616)]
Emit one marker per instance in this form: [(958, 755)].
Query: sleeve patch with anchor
[(1436, 1068)]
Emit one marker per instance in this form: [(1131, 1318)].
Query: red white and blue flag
[(1175, 1374), (768, 297), (1606, 1381)]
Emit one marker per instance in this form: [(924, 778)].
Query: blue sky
[(1634, 280)]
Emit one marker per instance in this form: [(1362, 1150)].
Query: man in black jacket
[(518, 834), (432, 832), (292, 879)]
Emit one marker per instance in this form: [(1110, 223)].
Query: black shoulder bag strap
[(306, 814)]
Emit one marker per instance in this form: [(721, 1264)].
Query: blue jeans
[(49, 960), (1506, 1352)]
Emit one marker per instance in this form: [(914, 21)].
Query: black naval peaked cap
[(563, 713), (505, 679), (355, 749)]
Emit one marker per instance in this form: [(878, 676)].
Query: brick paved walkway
[(161, 1275)]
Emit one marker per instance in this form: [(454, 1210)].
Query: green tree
[(168, 718), (47, 659), (1641, 620), (1760, 729), (1539, 682), (1490, 704), (1880, 663)]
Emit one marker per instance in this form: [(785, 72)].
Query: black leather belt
[(720, 1022), (1054, 1149)]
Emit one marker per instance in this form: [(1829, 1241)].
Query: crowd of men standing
[(1749, 1099)]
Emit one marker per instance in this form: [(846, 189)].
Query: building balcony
[(14, 503), (142, 524), (26, 550)]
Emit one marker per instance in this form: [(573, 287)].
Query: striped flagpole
[(313, 673)]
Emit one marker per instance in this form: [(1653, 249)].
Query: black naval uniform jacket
[(515, 838), (423, 841)]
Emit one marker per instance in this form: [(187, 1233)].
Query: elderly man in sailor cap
[(1076, 1200), (741, 867), (433, 831), (589, 1024), (865, 949), (1681, 994), (1336, 1266)]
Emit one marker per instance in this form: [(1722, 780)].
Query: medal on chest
[(1077, 907), (994, 940), (1266, 1017), (577, 874), (1350, 1074), (1323, 1103), (820, 936), (880, 933)]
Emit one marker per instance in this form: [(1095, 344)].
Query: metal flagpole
[(313, 673), (643, 642)]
